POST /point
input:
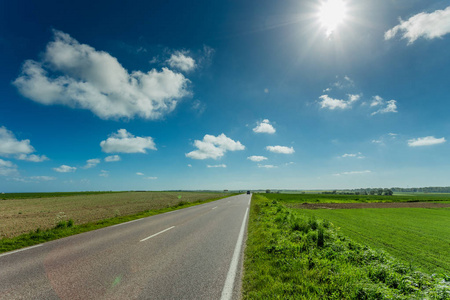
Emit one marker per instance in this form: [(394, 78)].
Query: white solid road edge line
[(227, 291), (149, 237), (20, 250)]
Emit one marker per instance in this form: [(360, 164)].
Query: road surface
[(193, 253)]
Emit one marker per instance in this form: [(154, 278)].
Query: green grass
[(326, 198), (292, 256), (418, 236), (67, 228)]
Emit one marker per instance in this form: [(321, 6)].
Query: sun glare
[(331, 14)]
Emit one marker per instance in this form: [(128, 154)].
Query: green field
[(418, 236), (329, 198), (291, 255)]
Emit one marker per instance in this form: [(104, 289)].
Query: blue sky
[(159, 95)]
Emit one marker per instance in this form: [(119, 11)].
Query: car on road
[(248, 192)]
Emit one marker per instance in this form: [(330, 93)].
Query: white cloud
[(264, 127), (78, 76), (7, 168), (180, 61), (65, 169), (426, 25), (266, 90), (90, 163), (376, 100), (216, 166), (425, 141), (112, 158), (125, 142), (189, 165), (330, 103), (32, 157), (151, 178), (267, 166), (257, 158), (214, 147), (104, 173), (353, 173), (139, 173), (355, 155), (391, 107), (281, 149), (10, 145)]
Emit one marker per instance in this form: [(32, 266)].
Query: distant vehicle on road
[(248, 192)]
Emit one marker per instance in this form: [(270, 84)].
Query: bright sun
[(331, 14)]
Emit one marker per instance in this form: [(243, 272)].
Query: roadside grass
[(417, 236), (290, 255), (19, 216), (65, 228), (328, 198)]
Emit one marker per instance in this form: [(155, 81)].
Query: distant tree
[(388, 192), (380, 192), (267, 191), (372, 192)]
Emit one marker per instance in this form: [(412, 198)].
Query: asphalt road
[(191, 253)]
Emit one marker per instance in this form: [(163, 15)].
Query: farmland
[(22, 215), (297, 253)]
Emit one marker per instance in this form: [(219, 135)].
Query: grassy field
[(8, 196), (292, 256), (328, 198), (418, 236), (21, 215)]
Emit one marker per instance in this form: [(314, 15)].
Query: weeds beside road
[(292, 256)]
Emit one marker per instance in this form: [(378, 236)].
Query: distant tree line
[(368, 191), (389, 192), (431, 189)]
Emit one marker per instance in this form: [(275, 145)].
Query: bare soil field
[(368, 205), (18, 216)]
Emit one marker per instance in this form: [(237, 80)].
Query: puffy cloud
[(216, 166), (257, 158), (182, 62), (280, 149), (125, 142), (264, 127), (391, 107), (426, 25), (330, 103), (425, 141), (90, 163), (214, 147), (112, 158), (104, 173), (78, 76), (139, 173), (65, 169), (10, 145), (353, 173), (7, 168), (151, 178)]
